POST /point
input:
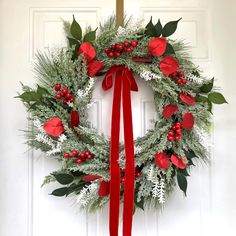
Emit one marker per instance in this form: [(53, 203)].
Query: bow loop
[(108, 79)]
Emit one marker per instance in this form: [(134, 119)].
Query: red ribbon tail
[(114, 157), (129, 153)]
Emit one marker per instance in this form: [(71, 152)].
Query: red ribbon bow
[(125, 82)]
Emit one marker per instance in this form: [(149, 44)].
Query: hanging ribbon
[(124, 83)]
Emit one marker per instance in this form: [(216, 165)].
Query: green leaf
[(41, 91), (75, 29), (29, 96), (90, 36), (206, 88), (184, 172), (139, 204), (182, 182), (72, 41), (74, 188), (217, 98), (63, 178), (170, 28), (158, 28), (150, 29), (60, 192), (204, 99), (169, 49)]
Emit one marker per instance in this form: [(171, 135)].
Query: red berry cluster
[(116, 50), (80, 158), (175, 133), (137, 174), (178, 76), (64, 93)]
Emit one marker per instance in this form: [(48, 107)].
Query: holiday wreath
[(93, 168)]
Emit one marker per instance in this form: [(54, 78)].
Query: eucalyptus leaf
[(90, 36), (170, 28), (72, 41), (216, 98), (60, 192), (29, 96), (169, 49), (75, 29), (206, 88), (182, 182), (150, 29), (63, 178), (41, 91), (158, 28)]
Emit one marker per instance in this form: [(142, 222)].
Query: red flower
[(169, 110), (169, 65), (89, 54), (94, 67), (87, 50), (157, 46), (188, 121), (187, 98), (162, 160), (104, 189), (88, 178), (177, 161), (54, 127)]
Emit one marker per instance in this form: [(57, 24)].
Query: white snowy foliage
[(148, 75), (158, 190), (84, 196), (83, 93)]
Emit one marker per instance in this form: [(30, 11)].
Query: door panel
[(25, 208)]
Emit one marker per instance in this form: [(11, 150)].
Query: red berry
[(119, 47), (87, 153), (74, 153), (138, 174), (66, 155), (72, 99), (134, 43), (170, 138), (177, 138), (123, 179), (178, 132), (113, 46), (170, 133), (64, 91), (82, 154), (174, 127), (129, 50), (90, 156), (180, 73), (184, 81), (171, 76), (58, 96), (79, 161), (65, 101), (174, 74), (57, 87), (178, 124), (118, 54), (107, 50), (68, 96), (179, 81), (111, 54), (126, 44)]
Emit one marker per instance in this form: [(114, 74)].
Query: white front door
[(25, 208)]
